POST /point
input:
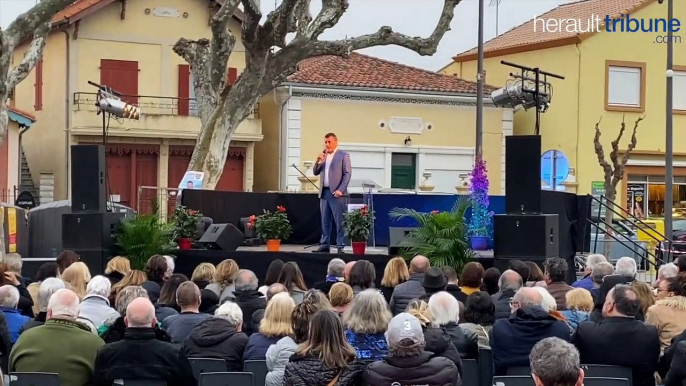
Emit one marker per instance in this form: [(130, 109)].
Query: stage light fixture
[(119, 108)]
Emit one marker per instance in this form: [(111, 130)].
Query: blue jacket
[(15, 321), (585, 283), (339, 172), (257, 347), (368, 347), (512, 339), (575, 317)]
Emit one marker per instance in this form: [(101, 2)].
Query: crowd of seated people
[(416, 328)]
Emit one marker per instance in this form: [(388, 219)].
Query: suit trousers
[(332, 209)]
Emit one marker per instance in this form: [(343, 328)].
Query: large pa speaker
[(89, 230), (223, 237), (523, 174), (396, 236), (88, 179), (526, 235)]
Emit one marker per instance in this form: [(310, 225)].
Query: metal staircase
[(25, 180)]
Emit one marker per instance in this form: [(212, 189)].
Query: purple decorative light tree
[(479, 225)]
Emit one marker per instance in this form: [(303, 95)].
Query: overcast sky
[(412, 17)]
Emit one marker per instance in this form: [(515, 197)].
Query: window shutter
[(233, 75), (679, 90), (38, 93), (184, 89), (624, 86)]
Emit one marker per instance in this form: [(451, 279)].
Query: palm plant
[(440, 236), (144, 235)]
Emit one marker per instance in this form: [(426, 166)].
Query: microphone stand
[(306, 177)]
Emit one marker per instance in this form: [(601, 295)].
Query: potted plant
[(186, 225), (272, 227), (358, 225), (142, 236), (479, 224)]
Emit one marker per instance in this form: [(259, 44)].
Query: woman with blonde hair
[(437, 340), (132, 278), (365, 325), (578, 307), (77, 276), (203, 275), (275, 325), (395, 273), (341, 297), (222, 282), (117, 268)]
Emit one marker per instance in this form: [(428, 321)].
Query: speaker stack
[(523, 232), (89, 230)]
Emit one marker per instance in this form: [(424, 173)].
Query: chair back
[(138, 382), (34, 379), (514, 380), (519, 370), (607, 371), (226, 379), (258, 369), (598, 381), (485, 367), (470, 372), (206, 365)]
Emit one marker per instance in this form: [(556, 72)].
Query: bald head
[(347, 269), (140, 313), (63, 304), (527, 297), (419, 264), (274, 289)]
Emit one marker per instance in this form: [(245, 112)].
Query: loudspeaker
[(523, 174), (88, 179), (526, 235), (396, 236), (89, 230), (95, 258), (248, 232), (223, 237)]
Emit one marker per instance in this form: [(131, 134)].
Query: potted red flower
[(358, 227), (272, 227), (186, 226)]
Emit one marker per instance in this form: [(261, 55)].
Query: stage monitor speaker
[(88, 179), (396, 236), (532, 235), (522, 174), (89, 230), (95, 258), (223, 237)]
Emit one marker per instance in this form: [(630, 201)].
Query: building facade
[(11, 158)]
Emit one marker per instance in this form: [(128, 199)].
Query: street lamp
[(480, 82), (669, 149)]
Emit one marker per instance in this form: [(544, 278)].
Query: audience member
[(412, 288), (5, 345), (536, 277), (95, 307), (578, 307), (453, 288), (471, 278), (258, 315), (134, 278), (65, 259), (555, 362), (626, 267), (608, 283), (362, 276), (202, 276), (620, 339), (395, 273), (681, 263), (586, 282), (272, 276), (46, 270), (222, 284), (117, 268), (292, 278), (550, 304), (668, 314), (219, 337), (512, 339), (510, 282), (521, 268), (14, 264), (555, 274), (9, 299), (139, 356), (325, 357), (166, 305), (113, 330), (62, 345), (275, 325), (407, 362), (365, 324), (77, 276), (25, 305), (665, 272), (47, 287), (348, 267), (334, 274), (341, 297), (491, 278), (179, 326), (171, 265), (446, 315), (248, 298), (155, 271), (599, 272), (479, 315), (433, 281), (437, 340), (676, 374)]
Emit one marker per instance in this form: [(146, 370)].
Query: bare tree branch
[(607, 169), (619, 171), (614, 154), (24, 25), (31, 57), (222, 42), (276, 27), (331, 13)]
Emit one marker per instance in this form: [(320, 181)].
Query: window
[(38, 87), (679, 89), (403, 171), (122, 77), (625, 84)]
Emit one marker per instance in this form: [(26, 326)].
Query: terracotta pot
[(359, 247), (185, 243), (273, 245)]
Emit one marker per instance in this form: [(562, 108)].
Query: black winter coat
[(666, 359), (466, 342), (311, 371), (438, 342), (501, 300), (676, 376), (249, 302), (216, 338), (424, 369)]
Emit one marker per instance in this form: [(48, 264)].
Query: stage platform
[(312, 249)]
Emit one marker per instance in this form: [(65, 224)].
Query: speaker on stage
[(223, 237), (533, 236), (89, 230), (396, 236), (88, 179), (523, 174)]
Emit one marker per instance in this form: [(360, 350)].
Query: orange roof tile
[(23, 113), (523, 38), (360, 70)]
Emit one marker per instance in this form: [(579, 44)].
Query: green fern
[(440, 236), (143, 236)]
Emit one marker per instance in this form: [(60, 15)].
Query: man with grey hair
[(62, 345), (555, 362), (412, 288), (665, 272), (512, 339), (258, 315), (555, 275), (9, 299), (510, 282), (14, 265), (139, 355), (47, 287), (586, 282), (446, 314), (626, 267), (248, 298), (179, 326), (335, 273), (407, 362), (227, 342), (95, 307)]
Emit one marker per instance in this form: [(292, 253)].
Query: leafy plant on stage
[(440, 236), (480, 222), (144, 235), (272, 225), (358, 224), (185, 222)]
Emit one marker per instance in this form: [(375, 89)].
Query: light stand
[(480, 83), (669, 145)]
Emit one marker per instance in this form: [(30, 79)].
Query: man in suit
[(334, 167)]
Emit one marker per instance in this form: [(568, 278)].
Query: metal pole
[(669, 150), (480, 82)]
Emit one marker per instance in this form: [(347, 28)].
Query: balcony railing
[(151, 105)]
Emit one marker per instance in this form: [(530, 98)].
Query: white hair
[(245, 280), (9, 296), (336, 267), (64, 302), (170, 264), (230, 312), (444, 308), (99, 285), (14, 262), (48, 287), (594, 259), (549, 303), (626, 266), (668, 270)]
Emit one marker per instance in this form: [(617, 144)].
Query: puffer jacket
[(502, 300), (669, 317), (466, 342), (423, 369), (368, 347), (405, 292), (438, 342), (277, 358), (311, 371), (216, 338)]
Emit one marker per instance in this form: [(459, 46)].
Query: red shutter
[(38, 94), (233, 75), (122, 76), (184, 89)]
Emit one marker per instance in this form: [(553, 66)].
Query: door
[(119, 177), (179, 158), (146, 175), (231, 179), (403, 171), (122, 77)]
